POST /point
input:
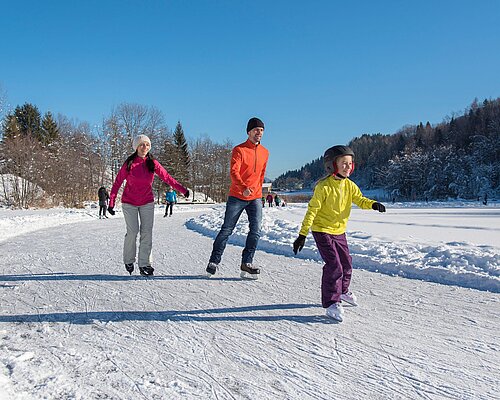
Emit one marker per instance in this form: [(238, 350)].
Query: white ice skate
[(349, 298), (335, 311)]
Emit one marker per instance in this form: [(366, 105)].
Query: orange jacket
[(248, 166)]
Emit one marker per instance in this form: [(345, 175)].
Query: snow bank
[(447, 262)]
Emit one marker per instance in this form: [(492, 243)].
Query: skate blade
[(246, 275), (209, 275)]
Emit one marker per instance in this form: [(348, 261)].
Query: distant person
[(283, 202), (171, 198), (103, 196), (327, 215), (269, 199), (248, 166), (138, 202), (277, 200), (263, 201), (485, 201)]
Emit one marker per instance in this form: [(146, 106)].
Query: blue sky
[(318, 73)]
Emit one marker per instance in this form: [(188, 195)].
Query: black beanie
[(254, 123)]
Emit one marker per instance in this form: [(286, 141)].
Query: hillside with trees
[(458, 158), (68, 161)]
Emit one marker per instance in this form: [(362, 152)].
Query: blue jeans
[(234, 208)]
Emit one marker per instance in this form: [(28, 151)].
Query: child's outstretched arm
[(364, 202)]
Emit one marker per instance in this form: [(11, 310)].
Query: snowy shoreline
[(449, 262)]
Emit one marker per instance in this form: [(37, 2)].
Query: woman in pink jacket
[(138, 202)]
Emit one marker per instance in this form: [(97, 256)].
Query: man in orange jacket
[(248, 166)]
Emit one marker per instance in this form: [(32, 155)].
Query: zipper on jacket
[(255, 159)]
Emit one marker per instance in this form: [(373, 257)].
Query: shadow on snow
[(207, 315), (65, 276)]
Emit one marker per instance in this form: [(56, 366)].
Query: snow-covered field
[(74, 325)]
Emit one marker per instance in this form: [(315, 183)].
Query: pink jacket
[(139, 187)]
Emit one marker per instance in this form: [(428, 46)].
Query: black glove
[(378, 207), (186, 195), (299, 243), (111, 211)]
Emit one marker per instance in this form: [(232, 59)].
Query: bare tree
[(22, 157), (210, 168)]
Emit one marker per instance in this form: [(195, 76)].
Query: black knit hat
[(254, 123), (334, 152)]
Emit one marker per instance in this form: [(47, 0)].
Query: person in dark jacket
[(103, 195)]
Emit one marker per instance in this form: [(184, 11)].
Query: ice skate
[(248, 271), (129, 268), (146, 271), (349, 298), (335, 311), (212, 269)]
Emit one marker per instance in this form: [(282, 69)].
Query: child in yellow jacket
[(327, 215)]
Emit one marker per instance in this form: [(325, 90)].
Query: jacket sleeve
[(312, 209), (167, 178), (357, 198), (236, 160), (122, 175)]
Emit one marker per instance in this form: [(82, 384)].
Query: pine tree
[(49, 129), (183, 154), (28, 122)]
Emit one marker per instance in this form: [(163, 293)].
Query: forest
[(48, 161), (457, 158)]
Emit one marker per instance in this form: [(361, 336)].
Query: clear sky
[(318, 73)]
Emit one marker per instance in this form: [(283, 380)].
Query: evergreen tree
[(183, 154), (49, 129), (459, 157), (27, 122)]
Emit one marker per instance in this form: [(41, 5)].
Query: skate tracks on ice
[(73, 324)]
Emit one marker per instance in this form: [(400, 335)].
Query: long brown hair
[(149, 161)]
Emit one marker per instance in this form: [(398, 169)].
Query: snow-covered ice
[(74, 325)]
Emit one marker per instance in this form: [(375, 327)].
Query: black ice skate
[(212, 269), (146, 271), (129, 268), (248, 271)]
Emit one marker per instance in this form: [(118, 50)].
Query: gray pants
[(132, 215)]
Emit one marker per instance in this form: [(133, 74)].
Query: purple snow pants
[(337, 270)]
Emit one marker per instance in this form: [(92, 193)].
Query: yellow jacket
[(330, 206)]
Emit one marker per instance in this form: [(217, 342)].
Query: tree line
[(457, 158), (48, 161)]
